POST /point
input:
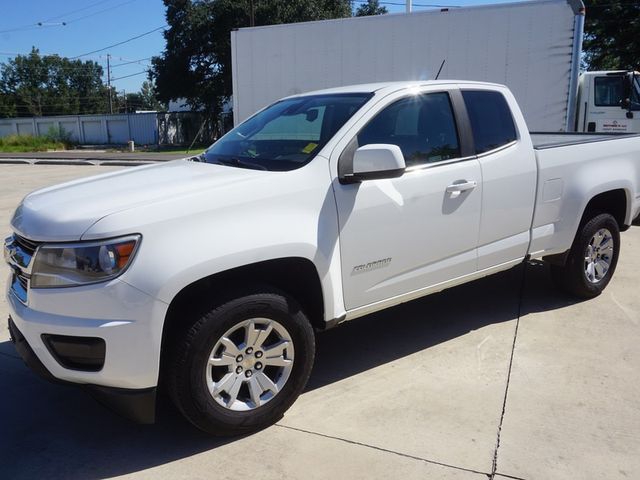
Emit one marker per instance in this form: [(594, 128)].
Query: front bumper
[(126, 319), (137, 405)]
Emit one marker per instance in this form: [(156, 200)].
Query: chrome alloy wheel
[(250, 364), (598, 256)]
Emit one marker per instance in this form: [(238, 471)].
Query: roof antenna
[(441, 65)]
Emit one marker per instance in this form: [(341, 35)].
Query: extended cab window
[(490, 118), (422, 126)]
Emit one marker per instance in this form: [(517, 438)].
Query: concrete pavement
[(89, 157), (503, 377)]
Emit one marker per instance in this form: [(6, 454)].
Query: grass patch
[(195, 150), (29, 143)]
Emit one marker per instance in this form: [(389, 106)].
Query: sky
[(78, 27)]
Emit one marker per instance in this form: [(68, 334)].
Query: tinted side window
[(608, 91), (490, 118), (422, 126)]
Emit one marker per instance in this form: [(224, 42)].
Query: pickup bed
[(210, 275)]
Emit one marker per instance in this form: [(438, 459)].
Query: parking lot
[(503, 378)]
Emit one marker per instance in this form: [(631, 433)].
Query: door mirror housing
[(376, 161)]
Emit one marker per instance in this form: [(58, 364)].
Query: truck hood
[(64, 212)]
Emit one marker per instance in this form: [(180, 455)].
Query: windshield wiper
[(238, 162)]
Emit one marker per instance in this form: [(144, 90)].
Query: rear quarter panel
[(570, 176)]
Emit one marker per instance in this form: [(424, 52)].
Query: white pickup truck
[(209, 276)]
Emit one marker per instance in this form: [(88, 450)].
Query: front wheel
[(592, 259), (243, 364)]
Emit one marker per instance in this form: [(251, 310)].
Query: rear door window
[(490, 118)]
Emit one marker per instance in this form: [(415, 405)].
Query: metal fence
[(185, 128), (174, 128)]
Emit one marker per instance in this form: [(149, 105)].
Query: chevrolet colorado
[(209, 276)]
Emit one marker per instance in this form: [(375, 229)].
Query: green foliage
[(58, 135), (145, 99), (612, 35), (196, 62), (148, 97), (41, 85), (28, 143), (372, 7)]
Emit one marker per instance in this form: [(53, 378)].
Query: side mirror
[(376, 161)]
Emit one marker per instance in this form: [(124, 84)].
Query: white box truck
[(532, 47)]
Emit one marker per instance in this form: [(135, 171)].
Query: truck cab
[(609, 102)]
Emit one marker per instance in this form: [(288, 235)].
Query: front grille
[(27, 245), (19, 253), (19, 286), (23, 280)]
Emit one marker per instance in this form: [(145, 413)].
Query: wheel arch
[(616, 202), (295, 276)]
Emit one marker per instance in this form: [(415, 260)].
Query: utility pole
[(109, 82), (409, 2), (252, 13)]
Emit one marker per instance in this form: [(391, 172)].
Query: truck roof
[(389, 87)]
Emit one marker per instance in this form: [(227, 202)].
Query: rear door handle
[(457, 188)]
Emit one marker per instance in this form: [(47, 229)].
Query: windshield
[(287, 134)]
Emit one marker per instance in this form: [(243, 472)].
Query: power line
[(132, 61), (31, 27), (100, 11), (119, 43), (73, 12), (132, 75)]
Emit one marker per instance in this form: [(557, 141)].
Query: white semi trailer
[(532, 47)]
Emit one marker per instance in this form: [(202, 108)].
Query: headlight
[(66, 265)]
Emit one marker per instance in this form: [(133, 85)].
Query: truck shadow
[(51, 431), (385, 336)]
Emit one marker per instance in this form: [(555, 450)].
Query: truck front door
[(405, 234), (606, 110)]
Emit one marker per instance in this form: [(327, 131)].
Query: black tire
[(187, 364), (572, 277)]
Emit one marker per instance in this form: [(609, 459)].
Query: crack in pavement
[(509, 476), (506, 390), (380, 449)]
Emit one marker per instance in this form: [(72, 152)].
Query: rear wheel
[(592, 259), (243, 364)]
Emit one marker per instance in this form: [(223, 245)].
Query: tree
[(611, 39), (196, 62), (372, 7), (50, 85), (149, 97), (145, 99)]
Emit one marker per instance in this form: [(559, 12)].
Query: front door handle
[(457, 188)]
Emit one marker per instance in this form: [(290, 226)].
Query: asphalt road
[(504, 378)]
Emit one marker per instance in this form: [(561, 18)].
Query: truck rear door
[(509, 174)]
